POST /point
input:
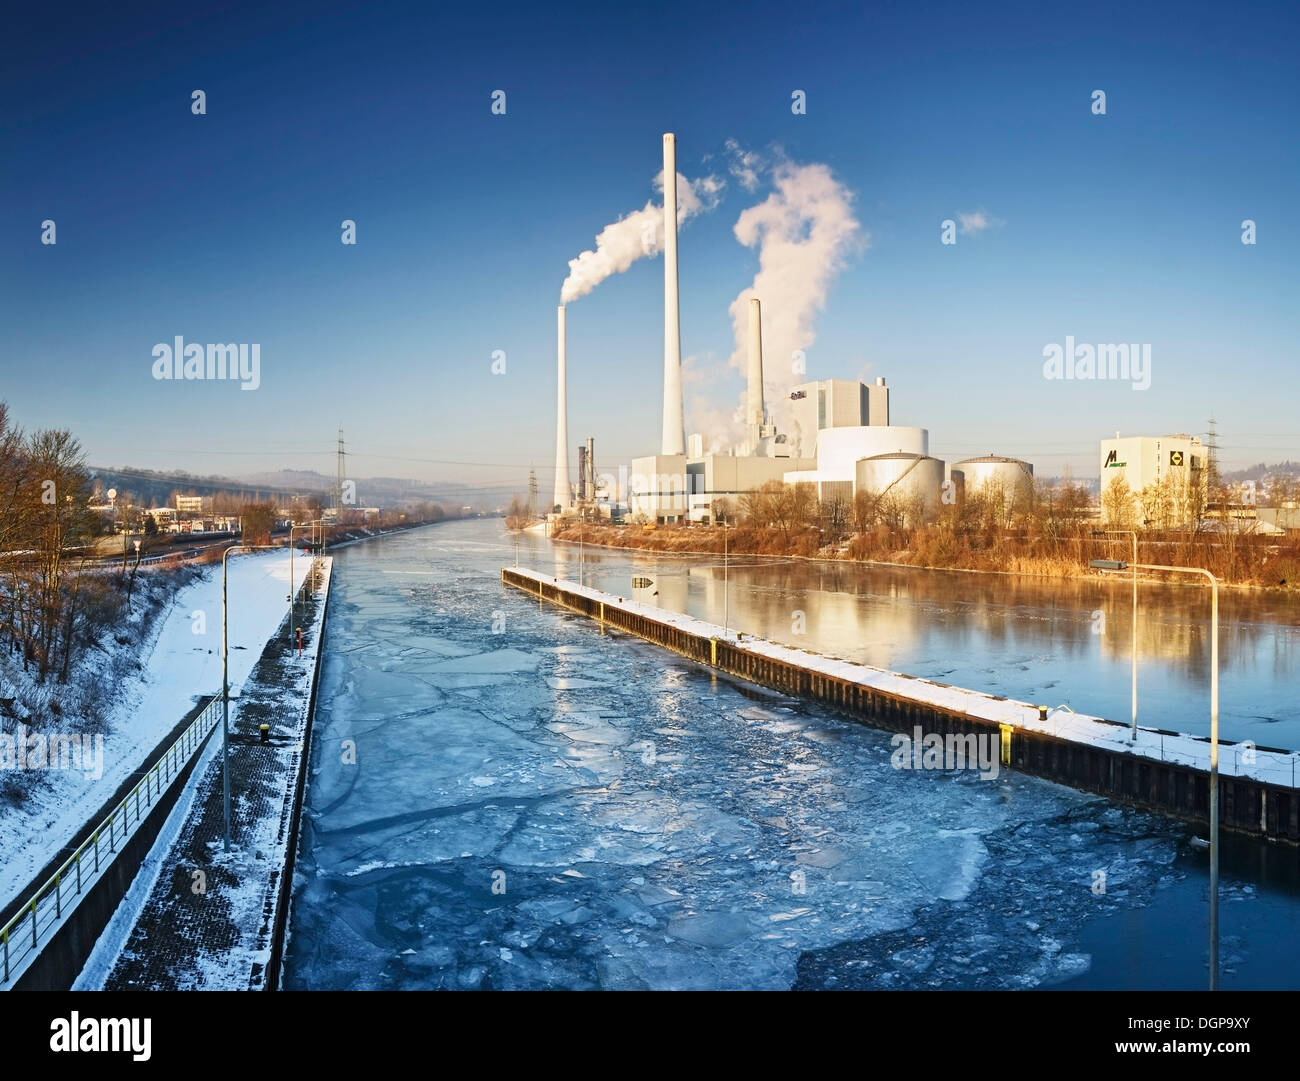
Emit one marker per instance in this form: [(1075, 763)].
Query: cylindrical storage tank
[(838, 449), (910, 484), (957, 480), (993, 474)]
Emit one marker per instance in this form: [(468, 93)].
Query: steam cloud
[(637, 236), (804, 231)]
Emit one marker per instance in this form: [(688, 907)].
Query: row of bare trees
[(1053, 510), (45, 535), (1048, 529)]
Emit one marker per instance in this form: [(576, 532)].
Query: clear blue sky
[(226, 227)]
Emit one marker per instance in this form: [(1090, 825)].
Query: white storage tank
[(913, 483), (992, 473)]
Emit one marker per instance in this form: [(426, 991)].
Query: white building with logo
[(1165, 476)]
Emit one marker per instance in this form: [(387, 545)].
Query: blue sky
[(226, 227)]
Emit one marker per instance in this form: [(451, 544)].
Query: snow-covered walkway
[(182, 665)]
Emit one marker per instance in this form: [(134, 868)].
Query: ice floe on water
[(552, 806)]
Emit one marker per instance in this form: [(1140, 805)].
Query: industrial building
[(836, 448), (911, 485), (835, 403), (1171, 465), (996, 477), (841, 440), (1283, 519), (673, 487)]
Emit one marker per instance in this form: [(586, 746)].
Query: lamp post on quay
[(1133, 564), (1120, 565), (726, 596)]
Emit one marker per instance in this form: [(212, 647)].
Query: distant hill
[(1261, 473), (394, 491), (152, 487)]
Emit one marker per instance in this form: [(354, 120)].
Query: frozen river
[(502, 796), (1036, 640)]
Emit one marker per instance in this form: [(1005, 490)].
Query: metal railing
[(1244, 759), (42, 912)]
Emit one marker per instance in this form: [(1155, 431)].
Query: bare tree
[(258, 519), (517, 513), (1117, 504), (835, 512), (755, 505), (56, 493), (864, 511)]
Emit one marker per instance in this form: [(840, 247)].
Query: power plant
[(842, 439)]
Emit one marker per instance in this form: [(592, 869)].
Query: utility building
[(834, 403), (1165, 474)]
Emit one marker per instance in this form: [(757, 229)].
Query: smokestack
[(562, 494), (757, 418), (674, 441)]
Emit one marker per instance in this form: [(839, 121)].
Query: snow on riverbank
[(182, 665)]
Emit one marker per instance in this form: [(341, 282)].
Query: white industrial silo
[(993, 475), (911, 483)]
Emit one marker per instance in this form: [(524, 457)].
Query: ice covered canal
[(503, 797)]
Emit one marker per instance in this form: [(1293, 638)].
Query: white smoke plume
[(804, 231), (637, 236), (745, 165)]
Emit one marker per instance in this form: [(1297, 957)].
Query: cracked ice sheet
[(662, 829)]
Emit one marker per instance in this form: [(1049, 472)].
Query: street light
[(1133, 534), (293, 598), (725, 595), (225, 689), (318, 545), (1119, 565)]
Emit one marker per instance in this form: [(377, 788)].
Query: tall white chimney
[(674, 441), (562, 495), (756, 418)]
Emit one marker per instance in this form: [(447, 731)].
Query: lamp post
[(293, 597), (1119, 565), (225, 690), (726, 613), (319, 546), (1133, 534), (291, 606)]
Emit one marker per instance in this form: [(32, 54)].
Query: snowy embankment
[(1235, 759), (182, 665), (225, 945)]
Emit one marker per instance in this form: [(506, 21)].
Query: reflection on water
[(1040, 640), (501, 795)]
